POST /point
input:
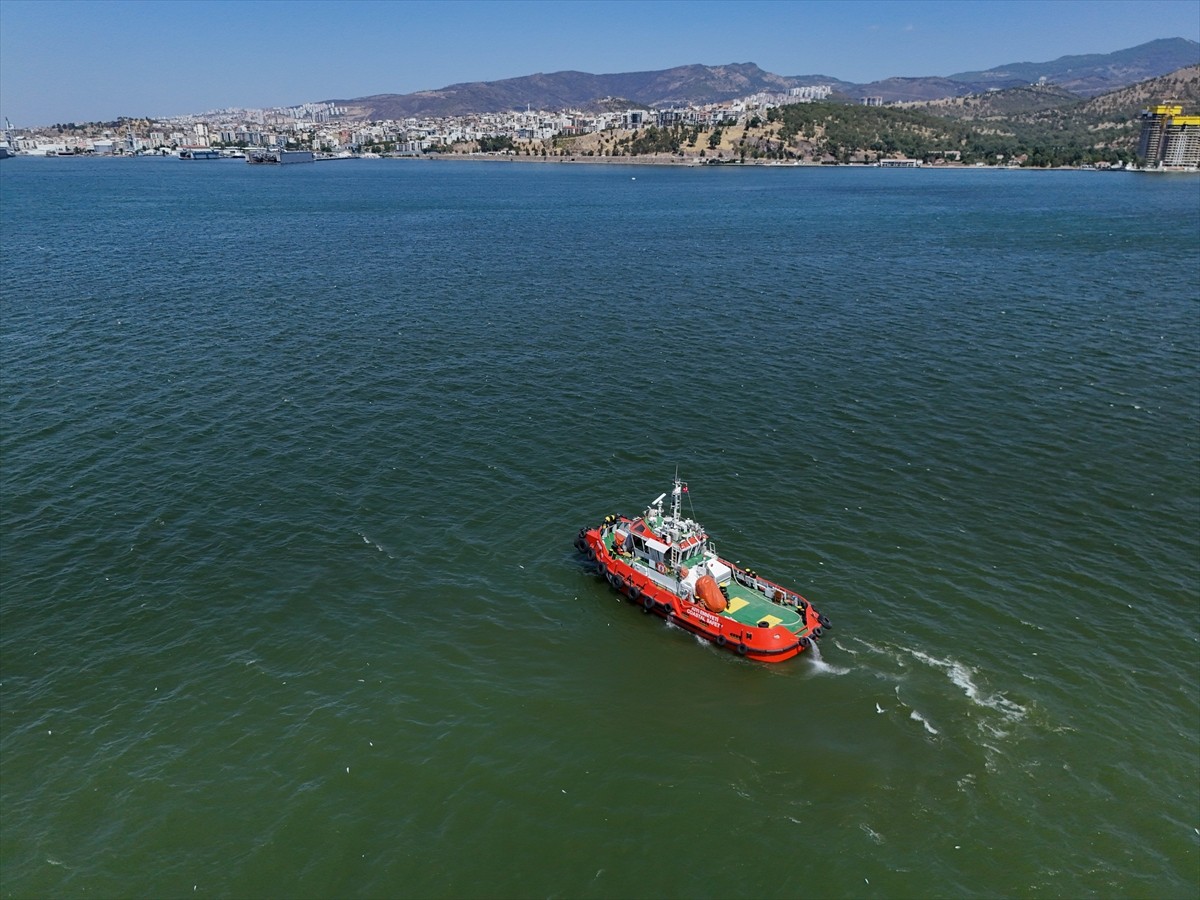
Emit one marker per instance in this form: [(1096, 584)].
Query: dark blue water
[(291, 461)]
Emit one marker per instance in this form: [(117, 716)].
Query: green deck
[(748, 607)]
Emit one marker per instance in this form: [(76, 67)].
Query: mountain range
[(695, 85)]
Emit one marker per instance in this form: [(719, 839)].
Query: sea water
[(293, 458)]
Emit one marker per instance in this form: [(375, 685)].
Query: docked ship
[(279, 157), (666, 564), (199, 153)]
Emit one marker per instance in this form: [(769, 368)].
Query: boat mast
[(676, 529)]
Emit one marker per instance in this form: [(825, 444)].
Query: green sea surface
[(292, 459)]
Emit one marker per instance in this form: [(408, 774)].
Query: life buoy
[(741, 649), (662, 570), (683, 571)]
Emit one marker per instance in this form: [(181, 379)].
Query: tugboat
[(666, 564)]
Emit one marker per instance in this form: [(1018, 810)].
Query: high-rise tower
[(1169, 138)]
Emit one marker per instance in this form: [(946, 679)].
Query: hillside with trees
[(1051, 122), (1031, 125)]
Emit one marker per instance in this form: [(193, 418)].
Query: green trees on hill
[(990, 130), (847, 132), (495, 144), (843, 131), (653, 140)]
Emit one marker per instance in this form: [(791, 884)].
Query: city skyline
[(74, 61)]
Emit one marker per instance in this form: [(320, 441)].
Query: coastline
[(694, 163), (644, 161)]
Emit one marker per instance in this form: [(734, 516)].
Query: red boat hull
[(763, 644)]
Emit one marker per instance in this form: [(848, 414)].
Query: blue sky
[(89, 60)]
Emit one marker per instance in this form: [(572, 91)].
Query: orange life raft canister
[(709, 593)]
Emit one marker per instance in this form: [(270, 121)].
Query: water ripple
[(291, 464)]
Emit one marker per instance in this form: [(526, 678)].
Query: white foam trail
[(961, 674), (872, 647), (819, 665), (377, 546), (895, 656), (917, 717)]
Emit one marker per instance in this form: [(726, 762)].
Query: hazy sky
[(95, 60)]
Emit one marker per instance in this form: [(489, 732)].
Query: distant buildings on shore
[(324, 126), (1169, 139)]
